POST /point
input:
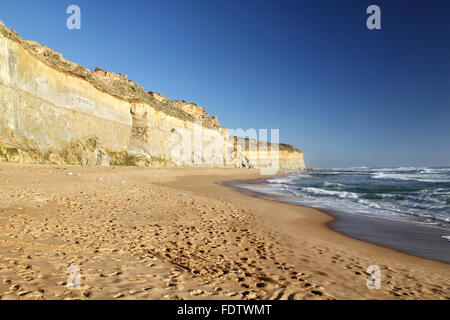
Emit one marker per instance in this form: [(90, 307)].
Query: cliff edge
[(58, 112)]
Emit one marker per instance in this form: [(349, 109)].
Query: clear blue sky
[(343, 94)]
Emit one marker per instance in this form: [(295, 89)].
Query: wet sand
[(139, 233), (408, 237), (418, 239)]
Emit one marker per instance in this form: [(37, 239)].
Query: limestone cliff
[(58, 112)]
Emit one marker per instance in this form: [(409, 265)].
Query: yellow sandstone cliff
[(57, 112)]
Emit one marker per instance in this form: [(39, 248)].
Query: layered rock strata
[(57, 112)]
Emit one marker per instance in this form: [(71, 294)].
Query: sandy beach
[(140, 233)]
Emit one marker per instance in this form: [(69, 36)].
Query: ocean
[(419, 197)]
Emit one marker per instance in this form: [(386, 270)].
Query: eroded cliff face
[(57, 112), (271, 155)]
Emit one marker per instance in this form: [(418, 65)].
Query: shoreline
[(176, 233), (391, 234), (390, 260)]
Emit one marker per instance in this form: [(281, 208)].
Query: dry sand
[(139, 233)]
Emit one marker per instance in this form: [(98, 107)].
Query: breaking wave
[(419, 194)]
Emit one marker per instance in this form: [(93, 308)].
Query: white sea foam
[(398, 169), (410, 177), (290, 178), (393, 193), (340, 194)]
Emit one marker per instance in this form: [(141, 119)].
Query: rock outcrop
[(57, 112)]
